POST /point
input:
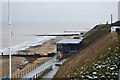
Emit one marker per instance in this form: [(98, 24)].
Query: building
[(67, 46), (117, 23), (115, 29)]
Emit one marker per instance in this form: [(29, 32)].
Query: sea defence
[(31, 55)]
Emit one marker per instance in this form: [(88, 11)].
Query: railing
[(27, 69), (41, 74), (37, 76)]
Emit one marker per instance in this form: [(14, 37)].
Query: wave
[(25, 45)]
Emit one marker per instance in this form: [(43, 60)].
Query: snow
[(87, 72), (112, 73), (75, 73), (108, 76), (90, 77), (82, 76), (81, 72), (94, 73), (95, 64), (116, 58), (94, 76), (99, 66), (112, 68), (107, 73), (102, 76), (116, 73), (82, 67), (109, 48), (98, 61)]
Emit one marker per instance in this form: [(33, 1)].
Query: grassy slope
[(96, 47)]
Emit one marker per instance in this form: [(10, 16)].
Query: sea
[(24, 35), (33, 18)]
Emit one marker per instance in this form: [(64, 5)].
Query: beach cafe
[(66, 46)]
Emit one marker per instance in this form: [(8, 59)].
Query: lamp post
[(9, 22)]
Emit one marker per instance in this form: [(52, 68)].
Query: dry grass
[(96, 44)]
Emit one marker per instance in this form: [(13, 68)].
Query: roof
[(69, 41), (115, 27)]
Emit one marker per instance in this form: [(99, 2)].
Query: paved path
[(40, 68), (52, 72)]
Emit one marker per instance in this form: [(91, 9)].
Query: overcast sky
[(83, 13), (61, 0)]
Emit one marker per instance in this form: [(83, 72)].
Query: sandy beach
[(46, 47)]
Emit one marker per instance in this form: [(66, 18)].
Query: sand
[(5, 64), (46, 47)]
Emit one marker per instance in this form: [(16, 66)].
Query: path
[(52, 72), (40, 68)]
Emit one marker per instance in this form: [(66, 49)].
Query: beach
[(43, 49)]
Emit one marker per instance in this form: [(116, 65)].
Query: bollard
[(33, 67), (36, 76), (29, 69), (30, 78), (17, 76), (33, 77), (22, 73), (14, 77)]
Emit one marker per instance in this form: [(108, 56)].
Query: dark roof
[(117, 23)]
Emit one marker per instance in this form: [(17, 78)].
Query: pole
[(9, 20), (111, 18)]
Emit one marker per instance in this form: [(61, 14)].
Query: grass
[(118, 37), (104, 27), (109, 67), (96, 51), (108, 70)]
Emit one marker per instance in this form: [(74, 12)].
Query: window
[(59, 45)]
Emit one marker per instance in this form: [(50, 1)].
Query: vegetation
[(105, 27), (97, 58)]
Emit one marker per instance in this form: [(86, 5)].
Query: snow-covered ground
[(106, 68)]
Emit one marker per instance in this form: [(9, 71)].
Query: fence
[(41, 74), (27, 69)]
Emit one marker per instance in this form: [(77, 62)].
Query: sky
[(61, 0), (61, 12), (56, 15)]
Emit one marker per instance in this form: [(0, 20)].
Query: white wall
[(113, 29)]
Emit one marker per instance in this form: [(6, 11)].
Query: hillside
[(97, 58)]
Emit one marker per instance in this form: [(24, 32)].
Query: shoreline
[(47, 47), (25, 45)]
